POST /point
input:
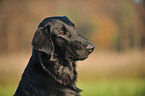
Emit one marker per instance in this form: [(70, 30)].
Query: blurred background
[(115, 27)]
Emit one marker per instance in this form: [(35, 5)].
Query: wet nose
[(90, 48)]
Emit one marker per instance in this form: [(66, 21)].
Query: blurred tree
[(125, 20), (141, 22), (144, 3)]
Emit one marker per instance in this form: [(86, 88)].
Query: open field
[(97, 88), (121, 65), (113, 88), (102, 74)]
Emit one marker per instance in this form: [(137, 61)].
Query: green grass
[(113, 88), (96, 88)]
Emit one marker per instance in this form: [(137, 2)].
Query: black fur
[(51, 70)]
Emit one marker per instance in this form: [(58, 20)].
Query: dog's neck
[(61, 70)]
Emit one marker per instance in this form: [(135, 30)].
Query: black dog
[(51, 70)]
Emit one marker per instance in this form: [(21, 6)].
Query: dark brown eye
[(65, 33), (62, 33)]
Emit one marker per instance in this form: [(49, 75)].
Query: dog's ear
[(42, 39)]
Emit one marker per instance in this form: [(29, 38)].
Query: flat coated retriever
[(51, 70)]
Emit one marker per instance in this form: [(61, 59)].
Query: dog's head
[(57, 35)]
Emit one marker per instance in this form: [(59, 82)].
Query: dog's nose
[(90, 48)]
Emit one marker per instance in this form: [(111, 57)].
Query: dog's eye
[(65, 33), (62, 33)]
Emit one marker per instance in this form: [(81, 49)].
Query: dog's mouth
[(75, 59)]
